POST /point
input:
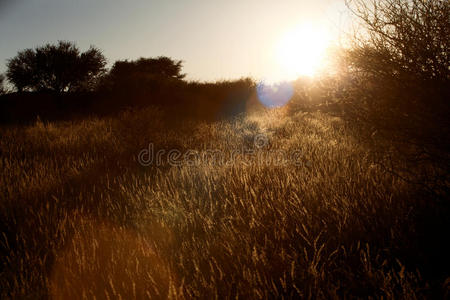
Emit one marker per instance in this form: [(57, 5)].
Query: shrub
[(397, 82)]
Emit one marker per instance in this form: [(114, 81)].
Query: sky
[(217, 40)]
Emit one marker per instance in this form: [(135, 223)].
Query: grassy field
[(296, 207)]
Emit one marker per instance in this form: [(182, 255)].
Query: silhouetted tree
[(57, 68), (2, 88), (403, 38), (143, 72), (400, 65), (398, 77), (162, 66)]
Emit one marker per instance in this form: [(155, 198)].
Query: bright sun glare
[(301, 51)]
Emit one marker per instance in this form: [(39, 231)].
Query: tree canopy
[(2, 88), (403, 38), (401, 61), (61, 67), (161, 66), (144, 73)]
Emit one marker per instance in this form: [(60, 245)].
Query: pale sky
[(215, 39)]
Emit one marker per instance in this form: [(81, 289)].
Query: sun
[(301, 51)]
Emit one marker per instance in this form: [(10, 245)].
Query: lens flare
[(274, 94)]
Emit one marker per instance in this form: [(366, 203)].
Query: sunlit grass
[(81, 218)]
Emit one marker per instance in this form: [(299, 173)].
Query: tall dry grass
[(81, 218)]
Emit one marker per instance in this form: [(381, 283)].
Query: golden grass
[(80, 218)]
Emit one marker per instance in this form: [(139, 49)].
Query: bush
[(397, 83)]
